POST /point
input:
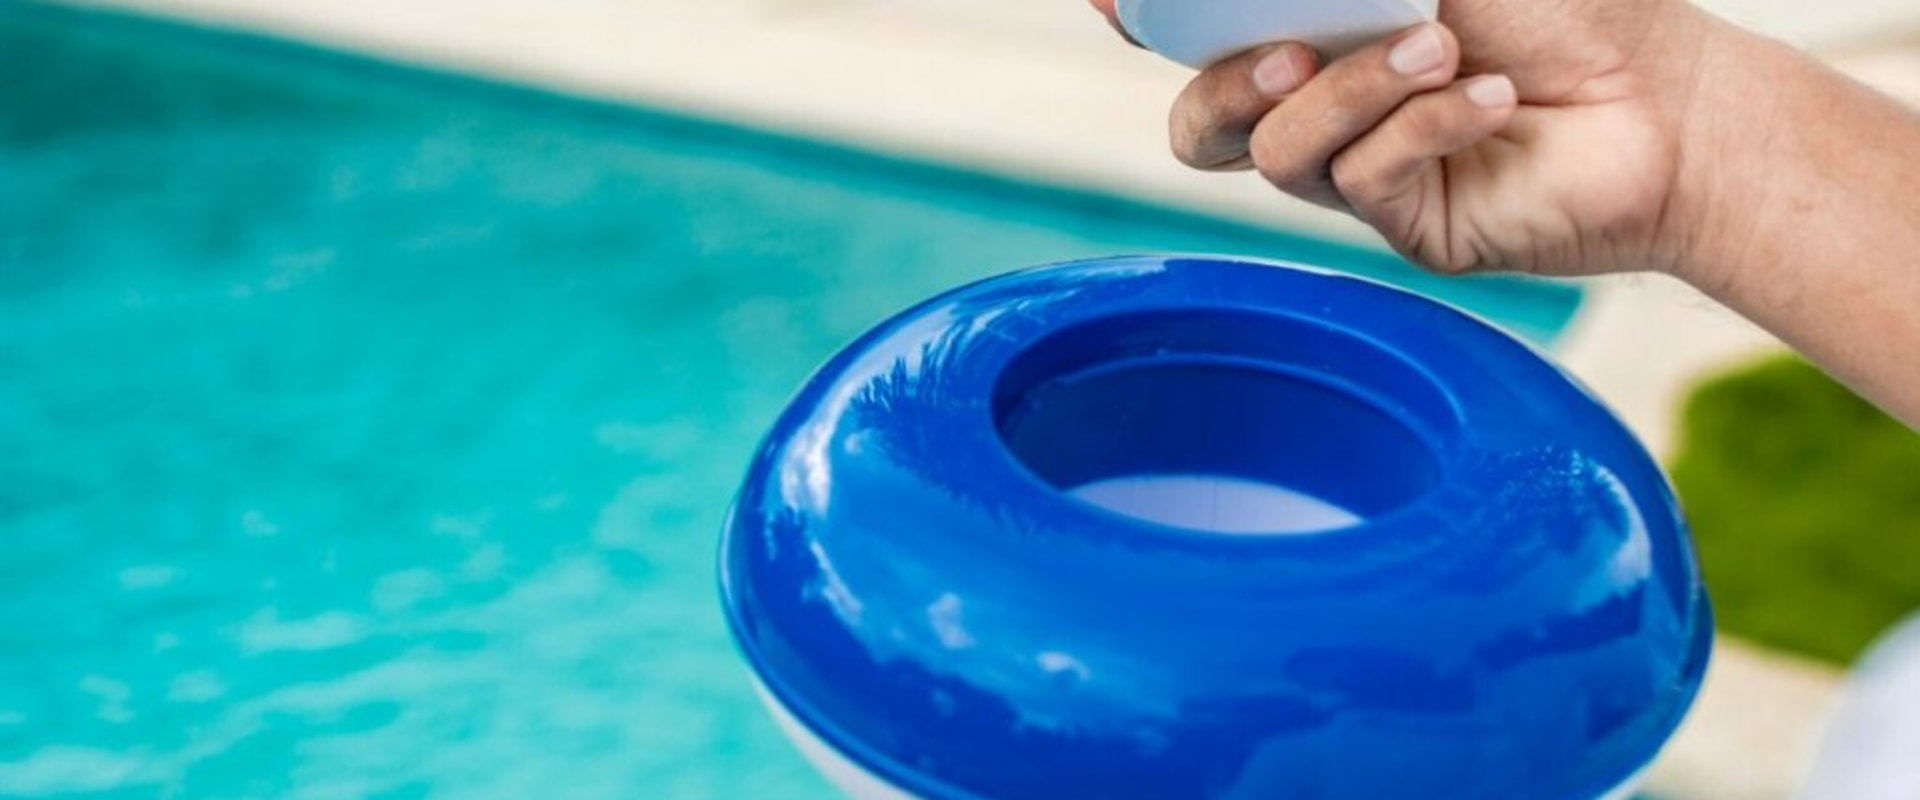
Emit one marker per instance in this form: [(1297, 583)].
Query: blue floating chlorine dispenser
[(1194, 528)]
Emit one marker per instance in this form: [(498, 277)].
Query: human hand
[(1528, 135)]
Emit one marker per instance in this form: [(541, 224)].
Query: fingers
[(1217, 112), (1294, 145), (1385, 175)]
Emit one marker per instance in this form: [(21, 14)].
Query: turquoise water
[(365, 433)]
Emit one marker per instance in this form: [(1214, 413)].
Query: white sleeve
[(1872, 746)]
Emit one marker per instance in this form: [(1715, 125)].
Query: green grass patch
[(1805, 502)]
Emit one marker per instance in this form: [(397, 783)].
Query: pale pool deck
[(1039, 89)]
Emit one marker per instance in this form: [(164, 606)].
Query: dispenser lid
[(1200, 32)]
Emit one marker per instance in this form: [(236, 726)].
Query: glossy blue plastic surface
[(1519, 616)]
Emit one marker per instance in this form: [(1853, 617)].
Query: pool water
[(365, 432)]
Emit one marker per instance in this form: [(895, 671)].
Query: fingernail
[(1277, 73), (1418, 54), (1492, 91)]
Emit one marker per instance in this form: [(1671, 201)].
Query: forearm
[(1799, 202)]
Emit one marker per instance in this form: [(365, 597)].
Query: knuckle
[(1420, 123), (1281, 166), (1294, 180), (1354, 180), (1338, 109)]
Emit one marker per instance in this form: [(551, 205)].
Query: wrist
[(1728, 125)]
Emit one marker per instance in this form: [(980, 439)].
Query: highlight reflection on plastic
[(937, 607)]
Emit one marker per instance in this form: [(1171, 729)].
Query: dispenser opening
[(1221, 421)]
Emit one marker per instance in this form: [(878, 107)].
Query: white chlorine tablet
[(1199, 32)]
